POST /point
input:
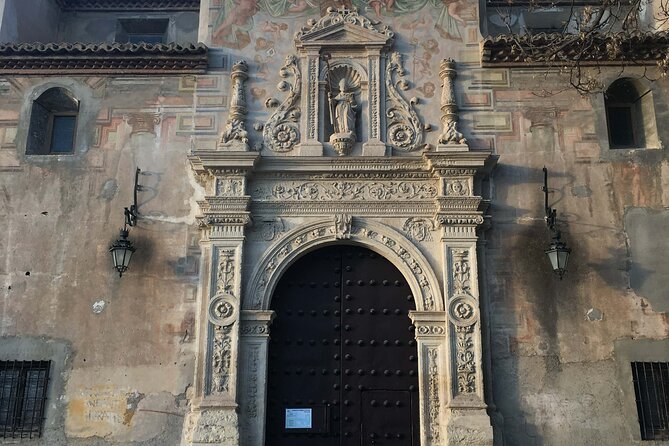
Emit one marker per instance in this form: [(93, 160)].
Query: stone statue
[(344, 107)]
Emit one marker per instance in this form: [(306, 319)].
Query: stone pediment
[(343, 27)]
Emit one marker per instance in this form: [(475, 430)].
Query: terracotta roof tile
[(105, 58), (639, 48), (129, 5)]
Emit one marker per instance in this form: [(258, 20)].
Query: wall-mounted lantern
[(557, 252), (121, 250)]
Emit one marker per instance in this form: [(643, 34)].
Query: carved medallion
[(222, 309)]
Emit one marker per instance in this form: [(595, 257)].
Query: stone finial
[(450, 135), (235, 136)]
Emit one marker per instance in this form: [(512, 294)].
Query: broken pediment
[(343, 26)]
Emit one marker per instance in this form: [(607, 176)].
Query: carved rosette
[(449, 107), (405, 130), (281, 132), (222, 310), (235, 135)]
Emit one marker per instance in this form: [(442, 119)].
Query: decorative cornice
[(105, 58), (612, 49), (129, 5)]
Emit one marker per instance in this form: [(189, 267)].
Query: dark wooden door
[(343, 366)]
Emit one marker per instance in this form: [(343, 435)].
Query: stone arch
[(373, 235)]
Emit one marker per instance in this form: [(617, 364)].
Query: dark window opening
[(23, 389), (651, 387), (53, 123), (630, 115), (142, 31)]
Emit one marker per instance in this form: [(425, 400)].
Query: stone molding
[(376, 236)]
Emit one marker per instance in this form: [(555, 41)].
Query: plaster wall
[(29, 21), (557, 349), (128, 366)]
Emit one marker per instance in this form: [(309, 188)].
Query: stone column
[(459, 212), (224, 214), (253, 380), (432, 373), (450, 139)]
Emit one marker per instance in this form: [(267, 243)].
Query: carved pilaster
[(374, 146), (450, 139), (431, 338), (310, 103), (254, 337), (235, 136)]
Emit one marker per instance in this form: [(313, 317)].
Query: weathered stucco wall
[(126, 348), (129, 340)]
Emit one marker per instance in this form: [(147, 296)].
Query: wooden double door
[(343, 362)]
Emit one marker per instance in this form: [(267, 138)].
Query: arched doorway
[(343, 367)]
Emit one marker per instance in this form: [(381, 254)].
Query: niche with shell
[(353, 80)]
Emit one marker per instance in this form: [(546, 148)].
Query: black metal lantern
[(121, 252), (557, 252)]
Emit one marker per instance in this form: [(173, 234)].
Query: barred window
[(651, 387), (23, 387)]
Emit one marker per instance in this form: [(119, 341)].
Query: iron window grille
[(651, 387), (23, 388)]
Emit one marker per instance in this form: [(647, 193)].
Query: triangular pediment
[(343, 26)]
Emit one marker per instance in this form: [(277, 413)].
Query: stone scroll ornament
[(235, 135), (449, 107), (405, 130), (281, 133)]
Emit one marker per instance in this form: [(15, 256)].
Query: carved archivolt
[(405, 131), (380, 238), (281, 133)]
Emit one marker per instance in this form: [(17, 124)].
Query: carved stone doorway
[(343, 361)]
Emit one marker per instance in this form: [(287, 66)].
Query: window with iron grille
[(651, 387), (23, 387)]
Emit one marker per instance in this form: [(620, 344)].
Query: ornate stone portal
[(260, 213)]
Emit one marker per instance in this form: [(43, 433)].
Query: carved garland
[(326, 231), (281, 132), (405, 131)]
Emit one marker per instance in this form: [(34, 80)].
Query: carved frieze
[(229, 187), (281, 132), (235, 136), (405, 130), (345, 190)]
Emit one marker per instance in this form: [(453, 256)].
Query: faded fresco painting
[(233, 20)]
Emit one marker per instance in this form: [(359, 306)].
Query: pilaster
[(224, 214)]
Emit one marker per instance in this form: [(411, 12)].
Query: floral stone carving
[(235, 135), (281, 133), (405, 130)]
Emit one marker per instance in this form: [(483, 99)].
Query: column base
[(468, 427), (211, 425)]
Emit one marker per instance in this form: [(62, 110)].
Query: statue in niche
[(343, 109), (344, 106)]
